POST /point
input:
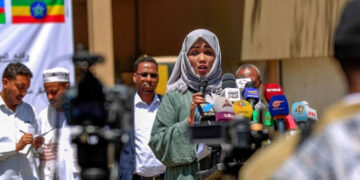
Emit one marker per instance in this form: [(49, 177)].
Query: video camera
[(238, 138), (103, 117)]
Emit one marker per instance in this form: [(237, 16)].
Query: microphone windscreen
[(228, 81), (232, 94), (278, 106), (222, 104), (251, 93), (209, 113), (272, 89), (224, 110), (299, 112), (268, 122), (243, 108), (290, 123)]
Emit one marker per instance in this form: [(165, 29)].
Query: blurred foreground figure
[(58, 157), (331, 150)]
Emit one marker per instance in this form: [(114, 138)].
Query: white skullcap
[(57, 74)]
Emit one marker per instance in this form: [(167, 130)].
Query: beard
[(148, 91)]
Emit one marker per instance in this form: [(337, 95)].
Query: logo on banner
[(38, 11), (2, 12)]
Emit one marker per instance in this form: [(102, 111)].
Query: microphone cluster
[(240, 119), (240, 98)]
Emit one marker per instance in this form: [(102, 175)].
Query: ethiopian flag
[(38, 11), (2, 12)]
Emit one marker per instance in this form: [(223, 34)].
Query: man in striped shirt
[(333, 149), (58, 159)]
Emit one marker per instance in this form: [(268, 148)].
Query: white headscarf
[(183, 74)]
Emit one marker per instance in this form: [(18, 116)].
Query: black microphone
[(228, 81), (229, 88), (202, 85), (204, 112)]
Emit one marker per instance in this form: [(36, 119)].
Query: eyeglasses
[(144, 74)]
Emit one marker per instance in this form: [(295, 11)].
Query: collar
[(352, 98), (138, 100), (2, 103)]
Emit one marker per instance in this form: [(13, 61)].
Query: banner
[(37, 33)]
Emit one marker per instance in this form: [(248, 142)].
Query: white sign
[(241, 82), (38, 34)]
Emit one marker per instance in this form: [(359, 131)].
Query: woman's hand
[(197, 99)]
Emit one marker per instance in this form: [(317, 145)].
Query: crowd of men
[(39, 146), (35, 146)]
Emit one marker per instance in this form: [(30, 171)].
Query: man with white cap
[(58, 157)]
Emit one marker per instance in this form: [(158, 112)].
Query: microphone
[(290, 122), (251, 94), (290, 125), (279, 109), (299, 112), (230, 90), (243, 108), (241, 83), (302, 113), (228, 81), (268, 122), (256, 125), (204, 111), (272, 89), (202, 85), (224, 110), (259, 112), (312, 114)]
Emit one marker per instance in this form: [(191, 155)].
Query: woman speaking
[(200, 56)]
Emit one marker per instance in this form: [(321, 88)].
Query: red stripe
[(30, 19), (2, 10)]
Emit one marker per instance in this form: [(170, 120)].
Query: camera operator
[(18, 126), (137, 160), (58, 155)]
